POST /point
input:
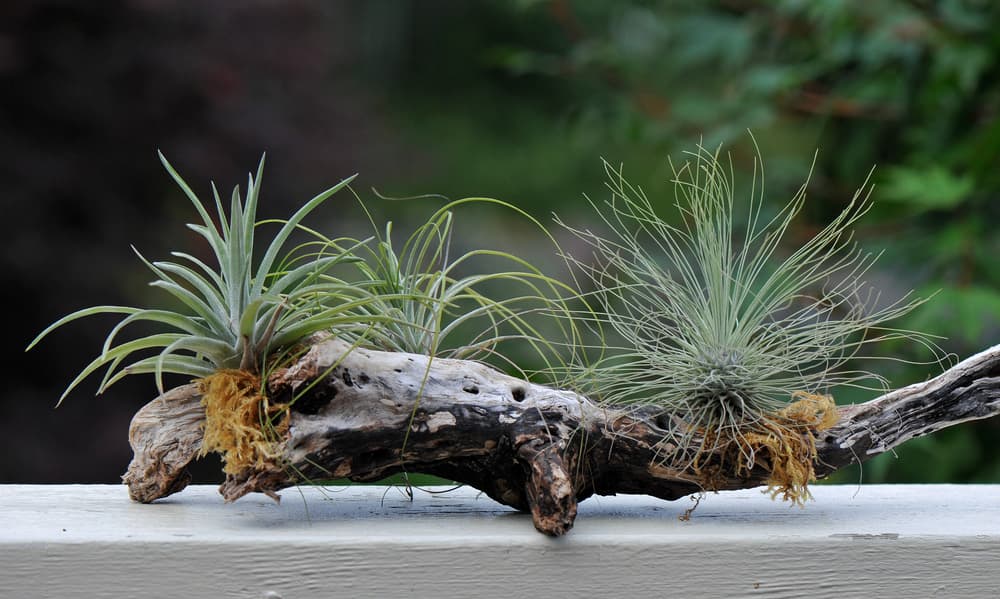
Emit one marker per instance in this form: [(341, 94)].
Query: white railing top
[(904, 540)]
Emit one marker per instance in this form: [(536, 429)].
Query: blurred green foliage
[(519, 99)]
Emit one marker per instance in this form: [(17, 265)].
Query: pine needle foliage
[(235, 313), (713, 324)]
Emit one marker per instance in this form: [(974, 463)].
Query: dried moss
[(238, 421), (782, 443)]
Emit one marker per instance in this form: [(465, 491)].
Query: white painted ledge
[(869, 541)]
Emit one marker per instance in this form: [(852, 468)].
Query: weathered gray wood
[(968, 391), (165, 436), (528, 446), (870, 541)]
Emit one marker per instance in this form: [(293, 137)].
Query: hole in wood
[(471, 389), (311, 403), (518, 393)]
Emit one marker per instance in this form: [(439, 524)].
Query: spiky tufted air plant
[(735, 343)]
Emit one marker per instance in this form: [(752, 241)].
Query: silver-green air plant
[(227, 320), (435, 300), (734, 338)]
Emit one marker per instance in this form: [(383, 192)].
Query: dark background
[(516, 100)]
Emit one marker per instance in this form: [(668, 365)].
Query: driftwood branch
[(528, 446)]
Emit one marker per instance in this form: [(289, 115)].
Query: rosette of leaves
[(431, 298), (733, 339), (229, 321)]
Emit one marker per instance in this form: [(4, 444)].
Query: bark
[(364, 415)]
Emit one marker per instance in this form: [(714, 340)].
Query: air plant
[(433, 300), (230, 319), (480, 304), (734, 342), (241, 319)]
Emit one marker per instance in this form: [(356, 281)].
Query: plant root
[(239, 422)]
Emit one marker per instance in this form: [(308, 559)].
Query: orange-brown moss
[(238, 421), (782, 443)]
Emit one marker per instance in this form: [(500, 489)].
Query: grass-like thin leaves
[(711, 322), (428, 300)]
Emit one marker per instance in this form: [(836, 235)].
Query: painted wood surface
[(362, 541)]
